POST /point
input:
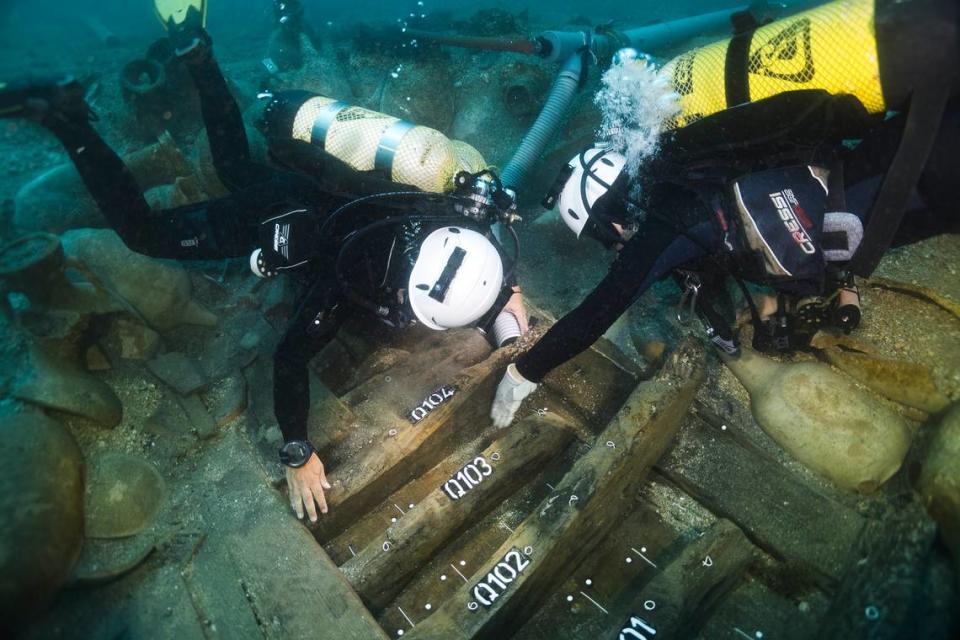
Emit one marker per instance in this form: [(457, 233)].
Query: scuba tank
[(832, 47), (370, 141)]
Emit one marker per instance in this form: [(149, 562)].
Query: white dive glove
[(511, 391)]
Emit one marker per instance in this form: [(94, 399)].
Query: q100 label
[(467, 478), (496, 583), (431, 402)]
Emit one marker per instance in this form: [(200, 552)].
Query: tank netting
[(424, 158), (306, 115), (832, 47)]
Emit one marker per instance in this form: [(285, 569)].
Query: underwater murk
[(294, 345)]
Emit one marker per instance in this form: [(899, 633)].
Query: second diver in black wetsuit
[(761, 191), (281, 213)]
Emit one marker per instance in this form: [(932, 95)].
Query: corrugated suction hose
[(545, 128)]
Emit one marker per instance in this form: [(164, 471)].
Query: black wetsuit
[(659, 247), (228, 227)]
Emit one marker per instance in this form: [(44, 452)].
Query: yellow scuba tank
[(832, 47), (367, 140)]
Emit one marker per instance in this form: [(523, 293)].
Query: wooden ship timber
[(622, 503)]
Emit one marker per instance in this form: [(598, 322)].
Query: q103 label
[(496, 583), (431, 402), (467, 478)]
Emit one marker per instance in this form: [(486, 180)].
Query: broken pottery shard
[(940, 480), (823, 420), (228, 399), (95, 359), (104, 560), (203, 423), (159, 292), (826, 338), (55, 382), (131, 339), (178, 371), (123, 496), (41, 511), (904, 382)]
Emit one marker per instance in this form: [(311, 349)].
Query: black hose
[(516, 253), (328, 223)]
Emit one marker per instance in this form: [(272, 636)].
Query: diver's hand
[(516, 308), (511, 392), (306, 485)]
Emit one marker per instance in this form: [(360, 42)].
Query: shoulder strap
[(923, 123)]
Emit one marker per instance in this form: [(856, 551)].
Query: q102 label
[(431, 402), (634, 627), (496, 583), (467, 478)]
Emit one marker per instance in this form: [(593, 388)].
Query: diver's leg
[(59, 106), (224, 124)]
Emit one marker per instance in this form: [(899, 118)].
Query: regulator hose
[(544, 129), (378, 310)]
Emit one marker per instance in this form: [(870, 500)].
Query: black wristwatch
[(296, 453)]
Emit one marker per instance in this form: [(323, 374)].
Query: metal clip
[(691, 290)]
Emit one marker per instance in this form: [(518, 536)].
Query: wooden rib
[(378, 575), (366, 479), (777, 510), (588, 502), (685, 590)]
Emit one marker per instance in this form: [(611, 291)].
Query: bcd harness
[(778, 200)]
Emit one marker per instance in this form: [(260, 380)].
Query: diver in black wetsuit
[(280, 214), (740, 193)]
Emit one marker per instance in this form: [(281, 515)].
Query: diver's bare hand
[(306, 485), (516, 308)]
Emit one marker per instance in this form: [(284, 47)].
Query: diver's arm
[(312, 327), (646, 258)]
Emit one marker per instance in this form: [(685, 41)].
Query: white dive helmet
[(456, 278), (593, 172)]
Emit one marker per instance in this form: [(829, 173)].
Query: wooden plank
[(684, 592), (288, 581), (898, 587), (594, 384), (381, 569), (776, 510), (372, 525), (587, 503), (663, 522), (363, 481), (753, 607)]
